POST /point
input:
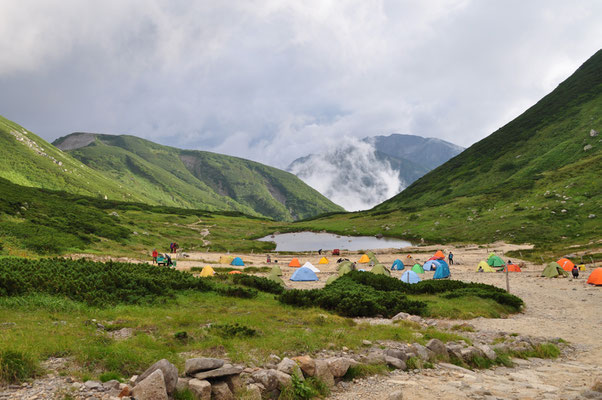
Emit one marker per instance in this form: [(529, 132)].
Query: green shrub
[(259, 283), (233, 330), (16, 366), (298, 390), (237, 291), (185, 394)]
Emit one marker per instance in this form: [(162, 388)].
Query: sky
[(273, 80)]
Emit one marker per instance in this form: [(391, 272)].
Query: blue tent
[(442, 270), (410, 277), (238, 262), (430, 265), (304, 274), (397, 265)]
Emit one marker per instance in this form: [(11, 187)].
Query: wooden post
[(507, 280)]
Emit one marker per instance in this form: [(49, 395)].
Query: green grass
[(363, 370), (466, 307)]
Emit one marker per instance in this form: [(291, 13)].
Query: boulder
[(182, 384), (401, 315), (217, 373), (323, 373), (487, 351), (307, 365), (395, 395), (397, 354), (112, 384), (470, 352), (194, 365), (170, 374), (395, 362), (339, 366), (593, 133), (290, 367), (454, 350), (437, 347), (152, 387), (375, 357), (284, 380), (201, 390), (253, 392), (221, 391), (420, 351), (267, 377), (234, 383), (93, 385)]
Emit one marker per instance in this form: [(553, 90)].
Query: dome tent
[(595, 278), (207, 271), (380, 269), (275, 278), (397, 265), (417, 268), (237, 262), (344, 269), (276, 271), (566, 264), (364, 259), (294, 263), (483, 266), (430, 265), (410, 277), (331, 279), (310, 266), (442, 271), (495, 261), (553, 270), (303, 275), (323, 260)]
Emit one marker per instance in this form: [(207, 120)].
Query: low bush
[(236, 291), (259, 283), (233, 330)]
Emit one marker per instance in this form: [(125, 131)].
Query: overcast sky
[(273, 80)]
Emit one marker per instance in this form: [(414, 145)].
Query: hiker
[(480, 269), (320, 252), (155, 255), (168, 260), (575, 272), (269, 259), (171, 247), (450, 257)]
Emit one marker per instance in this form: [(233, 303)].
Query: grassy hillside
[(195, 179), (537, 179)]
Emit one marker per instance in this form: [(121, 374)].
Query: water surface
[(310, 241)]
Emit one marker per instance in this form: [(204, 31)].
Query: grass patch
[(109, 376), (363, 370), (543, 350), (304, 390), (17, 366)]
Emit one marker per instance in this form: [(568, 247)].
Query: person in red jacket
[(155, 255)]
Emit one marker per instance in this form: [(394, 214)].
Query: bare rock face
[(170, 374), (151, 388), (194, 365), (201, 390), (323, 372), (307, 365), (221, 391)]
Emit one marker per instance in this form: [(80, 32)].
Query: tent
[(595, 278), (495, 261), (566, 264), (417, 268), (323, 260), (380, 269), (294, 263), (237, 262), (512, 268), (409, 260), (342, 264), (207, 271), (430, 265), (276, 271), (304, 274), (344, 269), (483, 266), (234, 272), (310, 266), (410, 277), (442, 270), (364, 259), (331, 279), (397, 265), (225, 259), (372, 257), (439, 255), (553, 270), (275, 278)]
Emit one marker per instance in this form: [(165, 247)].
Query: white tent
[(310, 266)]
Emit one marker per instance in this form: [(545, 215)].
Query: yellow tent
[(207, 271), (484, 267), (225, 259), (323, 260), (364, 259)]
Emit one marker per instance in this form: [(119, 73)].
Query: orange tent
[(439, 255), (234, 272), (364, 259), (512, 268), (595, 278), (294, 263), (566, 264)]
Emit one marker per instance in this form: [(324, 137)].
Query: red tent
[(512, 268)]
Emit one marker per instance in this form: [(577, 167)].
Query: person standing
[(450, 257), (575, 272), (155, 255)]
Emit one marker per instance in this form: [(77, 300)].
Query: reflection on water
[(308, 241)]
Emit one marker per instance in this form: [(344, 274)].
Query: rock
[(216, 373), (93, 385), (253, 392), (152, 387), (170, 374), (375, 357), (591, 216), (194, 365), (323, 373), (396, 395), (593, 133), (122, 334), (395, 363), (366, 343), (470, 352), (397, 354), (587, 147), (132, 381), (454, 350), (284, 380), (420, 351), (201, 390), (112, 384), (221, 391), (339, 366), (415, 318), (290, 367), (437, 347), (400, 316), (307, 365), (487, 351), (182, 384), (234, 383), (267, 377), (274, 359)]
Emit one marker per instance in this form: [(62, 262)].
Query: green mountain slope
[(537, 179), (196, 179)]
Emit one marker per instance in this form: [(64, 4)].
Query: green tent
[(276, 271), (276, 279), (344, 269), (380, 269), (495, 261), (343, 263), (554, 270), (331, 279), (372, 257), (418, 269)]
